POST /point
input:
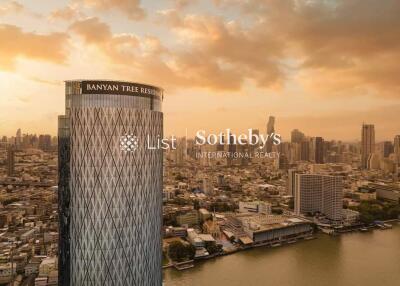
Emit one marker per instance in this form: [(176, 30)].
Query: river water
[(354, 259)]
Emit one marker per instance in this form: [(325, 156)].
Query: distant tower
[(386, 148), (10, 160), (305, 150), (297, 136), (396, 145), (44, 142), (270, 130), (319, 150), (367, 143), (18, 139), (291, 182)]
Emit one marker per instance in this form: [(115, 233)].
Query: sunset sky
[(324, 67)]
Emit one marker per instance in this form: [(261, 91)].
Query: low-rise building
[(275, 229), (32, 268), (190, 218), (255, 207), (7, 272), (48, 264), (387, 192), (212, 227), (204, 214), (41, 281), (350, 216)]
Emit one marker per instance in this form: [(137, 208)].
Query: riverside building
[(110, 184)]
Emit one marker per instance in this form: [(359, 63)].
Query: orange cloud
[(345, 44), (11, 7), (131, 8), (16, 43), (68, 13), (341, 47)]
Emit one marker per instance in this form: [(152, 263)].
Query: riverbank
[(296, 240), (325, 261)]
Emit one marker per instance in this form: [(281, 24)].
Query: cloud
[(327, 47), (92, 30), (16, 44), (131, 8), (148, 59), (182, 4), (11, 7), (45, 81), (68, 13), (343, 44), (250, 53)]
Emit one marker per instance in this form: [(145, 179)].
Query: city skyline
[(287, 138), (199, 142), (311, 77)]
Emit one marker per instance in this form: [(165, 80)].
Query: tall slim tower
[(18, 139), (110, 184), (396, 145), (10, 160), (367, 143), (270, 130), (319, 150)]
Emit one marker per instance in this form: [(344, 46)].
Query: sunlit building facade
[(110, 190)]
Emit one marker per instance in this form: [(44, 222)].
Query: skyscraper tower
[(367, 143), (18, 139), (319, 150), (110, 184), (396, 145), (270, 130), (297, 136), (10, 160)]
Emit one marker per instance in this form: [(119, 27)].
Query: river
[(354, 259)]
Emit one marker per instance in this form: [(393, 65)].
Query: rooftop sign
[(118, 87)]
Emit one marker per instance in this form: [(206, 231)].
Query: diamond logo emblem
[(129, 143)]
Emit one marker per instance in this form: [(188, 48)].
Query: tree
[(179, 251), (213, 248)]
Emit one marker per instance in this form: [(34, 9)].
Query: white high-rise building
[(319, 193), (110, 184)]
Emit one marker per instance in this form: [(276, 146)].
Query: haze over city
[(322, 67)]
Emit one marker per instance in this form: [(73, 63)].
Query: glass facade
[(110, 200)]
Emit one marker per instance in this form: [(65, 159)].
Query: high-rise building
[(291, 182), (367, 143), (319, 150), (297, 136), (18, 138), (386, 148), (270, 130), (304, 150), (396, 145), (44, 142), (10, 160), (283, 162), (319, 193), (110, 184)]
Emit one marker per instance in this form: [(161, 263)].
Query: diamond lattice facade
[(110, 197)]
